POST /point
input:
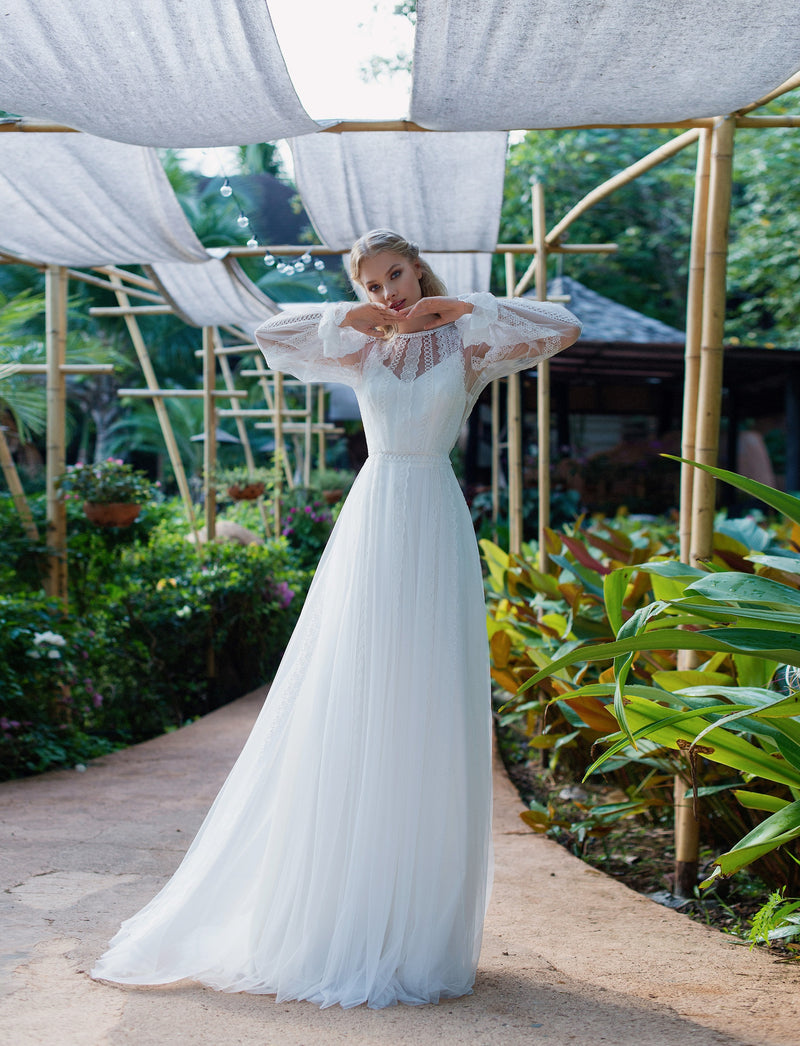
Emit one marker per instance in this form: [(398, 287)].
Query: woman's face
[(391, 279)]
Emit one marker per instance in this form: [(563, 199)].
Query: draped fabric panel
[(557, 63), (444, 191), (73, 199), (150, 72), (462, 273), (215, 294)]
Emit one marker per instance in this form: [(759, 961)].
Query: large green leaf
[(777, 646), (496, 561), (759, 800), (752, 617), (785, 503), (789, 564), (739, 588), (781, 828), (648, 719)]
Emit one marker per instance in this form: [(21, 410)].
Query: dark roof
[(607, 320)]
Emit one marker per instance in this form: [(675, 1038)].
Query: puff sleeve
[(311, 345), (504, 335)]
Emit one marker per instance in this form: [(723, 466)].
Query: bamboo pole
[(321, 443), (56, 289), (263, 379), (280, 449), (543, 377), (95, 281), (716, 158), (68, 368), (127, 277), (135, 334), (694, 325), (514, 434), (308, 439), (210, 429), (709, 396), (768, 121), (686, 828), (130, 310), (30, 125), (652, 159), (687, 840), (786, 86), (15, 487), (262, 412), (181, 394), (236, 250)]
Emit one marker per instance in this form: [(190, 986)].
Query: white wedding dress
[(347, 857)]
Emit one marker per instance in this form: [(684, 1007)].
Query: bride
[(347, 858)]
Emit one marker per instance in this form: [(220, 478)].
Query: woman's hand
[(436, 311), (369, 317)]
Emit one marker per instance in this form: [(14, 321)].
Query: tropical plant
[(106, 483), (746, 622)]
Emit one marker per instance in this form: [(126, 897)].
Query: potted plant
[(243, 484), (332, 484), (112, 491)]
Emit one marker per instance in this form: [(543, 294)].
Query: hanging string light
[(287, 268)]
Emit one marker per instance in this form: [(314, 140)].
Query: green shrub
[(50, 707), (158, 633)]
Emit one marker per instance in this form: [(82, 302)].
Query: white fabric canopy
[(462, 273), (72, 199), (150, 72), (444, 191), (557, 63), (213, 295)]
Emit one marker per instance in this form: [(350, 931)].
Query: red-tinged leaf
[(618, 555), (552, 541), (583, 556), (505, 679), (734, 560), (593, 712), (500, 646)]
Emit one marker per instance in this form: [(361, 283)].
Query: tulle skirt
[(347, 857)]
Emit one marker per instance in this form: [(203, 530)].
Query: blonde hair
[(379, 240)]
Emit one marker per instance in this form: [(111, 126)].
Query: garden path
[(570, 956)]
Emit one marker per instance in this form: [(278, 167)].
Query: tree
[(764, 259), (649, 219)]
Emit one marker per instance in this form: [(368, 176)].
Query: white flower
[(184, 611), (49, 637), (54, 655)]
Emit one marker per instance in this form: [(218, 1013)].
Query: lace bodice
[(416, 390)]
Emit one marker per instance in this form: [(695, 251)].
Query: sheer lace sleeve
[(505, 335), (313, 346)]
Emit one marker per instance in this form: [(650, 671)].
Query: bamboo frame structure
[(15, 487), (241, 428), (135, 334), (646, 163)]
